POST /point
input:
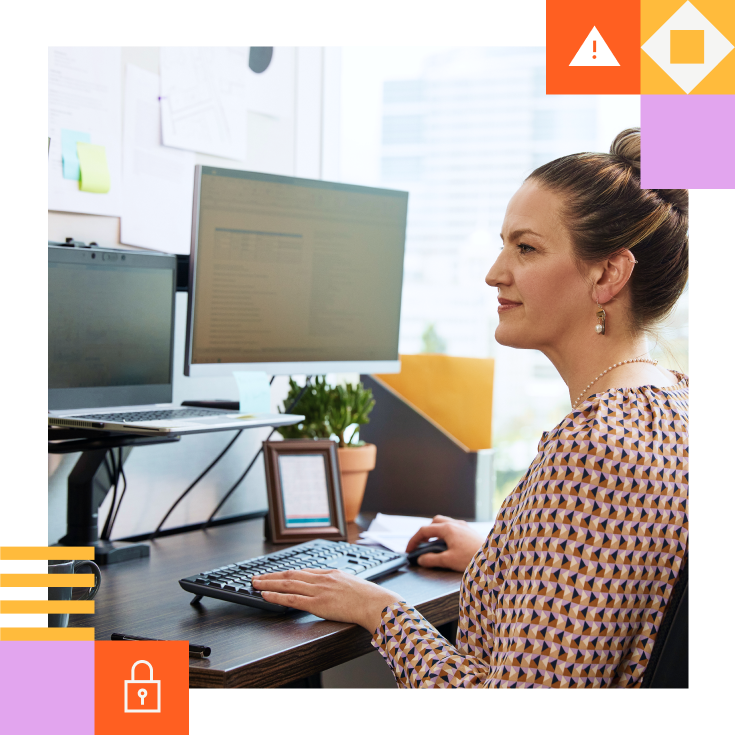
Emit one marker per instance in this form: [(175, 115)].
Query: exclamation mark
[(594, 49)]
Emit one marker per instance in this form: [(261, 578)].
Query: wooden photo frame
[(304, 491)]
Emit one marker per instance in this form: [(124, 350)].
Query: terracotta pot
[(355, 464)]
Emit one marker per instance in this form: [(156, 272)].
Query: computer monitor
[(111, 327), (293, 276)]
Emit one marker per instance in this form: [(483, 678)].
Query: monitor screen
[(110, 327), (293, 275)]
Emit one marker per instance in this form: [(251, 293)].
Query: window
[(402, 129), (401, 169), (460, 129)]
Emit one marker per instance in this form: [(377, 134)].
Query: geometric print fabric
[(570, 587)]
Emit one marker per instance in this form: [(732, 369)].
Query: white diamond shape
[(717, 47)]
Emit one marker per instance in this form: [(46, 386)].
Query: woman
[(570, 587)]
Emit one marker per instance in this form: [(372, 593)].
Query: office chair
[(668, 665)]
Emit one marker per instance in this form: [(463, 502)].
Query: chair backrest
[(668, 665)]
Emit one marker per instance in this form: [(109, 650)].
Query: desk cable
[(115, 472), (199, 478), (255, 457), (212, 465)]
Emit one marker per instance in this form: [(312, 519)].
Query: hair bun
[(627, 145), (678, 198)]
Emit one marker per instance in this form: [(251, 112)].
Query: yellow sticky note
[(94, 174)]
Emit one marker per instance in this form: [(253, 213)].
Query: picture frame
[(304, 491)]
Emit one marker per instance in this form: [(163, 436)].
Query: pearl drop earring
[(600, 328)]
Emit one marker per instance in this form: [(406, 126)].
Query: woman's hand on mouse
[(329, 594), (462, 543)]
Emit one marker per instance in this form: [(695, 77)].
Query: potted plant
[(337, 411)]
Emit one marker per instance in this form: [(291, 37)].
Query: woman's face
[(542, 296)]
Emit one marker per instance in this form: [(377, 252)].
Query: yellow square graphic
[(687, 47), (654, 80)]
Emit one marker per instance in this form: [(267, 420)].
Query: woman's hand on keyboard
[(329, 594), (462, 543)]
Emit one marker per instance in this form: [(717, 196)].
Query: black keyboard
[(233, 582), (147, 416)]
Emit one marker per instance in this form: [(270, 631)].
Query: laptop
[(111, 346)]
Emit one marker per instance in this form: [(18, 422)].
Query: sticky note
[(254, 390), (69, 159), (94, 176)]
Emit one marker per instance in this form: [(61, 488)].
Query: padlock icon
[(142, 696)]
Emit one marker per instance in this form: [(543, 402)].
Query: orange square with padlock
[(141, 687)]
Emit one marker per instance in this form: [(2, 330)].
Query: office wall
[(304, 143)]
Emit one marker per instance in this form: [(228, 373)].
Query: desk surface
[(250, 648)]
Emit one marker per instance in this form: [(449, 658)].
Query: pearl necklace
[(610, 368)]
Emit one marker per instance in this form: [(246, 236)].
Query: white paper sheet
[(85, 96), (272, 91), (203, 99), (394, 532), (158, 182)]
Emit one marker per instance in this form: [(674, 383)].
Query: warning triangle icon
[(594, 52)]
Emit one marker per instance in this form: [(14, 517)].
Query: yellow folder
[(455, 393)]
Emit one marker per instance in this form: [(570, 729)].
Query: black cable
[(199, 478), (114, 477), (111, 479), (255, 457), (121, 472)]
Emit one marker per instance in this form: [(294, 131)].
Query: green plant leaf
[(328, 410)]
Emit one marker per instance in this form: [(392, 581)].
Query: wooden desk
[(250, 648)]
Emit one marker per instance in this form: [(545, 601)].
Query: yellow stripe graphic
[(44, 580), (47, 606), (47, 553), (43, 634)]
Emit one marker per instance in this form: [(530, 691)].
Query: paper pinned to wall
[(203, 99), (158, 182), (254, 390), (69, 159), (94, 176), (85, 95)]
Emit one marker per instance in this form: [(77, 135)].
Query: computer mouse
[(436, 545)]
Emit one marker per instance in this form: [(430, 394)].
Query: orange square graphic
[(687, 47), (142, 687), (611, 66)]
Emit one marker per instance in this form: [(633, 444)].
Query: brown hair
[(606, 211)]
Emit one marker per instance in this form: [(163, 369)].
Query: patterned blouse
[(570, 587)]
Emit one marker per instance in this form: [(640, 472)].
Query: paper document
[(394, 532), (254, 390), (158, 182), (203, 99), (84, 99), (94, 176)]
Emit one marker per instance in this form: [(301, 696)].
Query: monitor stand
[(88, 485)]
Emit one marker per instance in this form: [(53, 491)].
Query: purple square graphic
[(48, 687), (687, 141)]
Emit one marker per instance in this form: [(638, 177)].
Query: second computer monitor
[(293, 275)]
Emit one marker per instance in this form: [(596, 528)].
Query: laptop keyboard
[(147, 416), (233, 582)]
